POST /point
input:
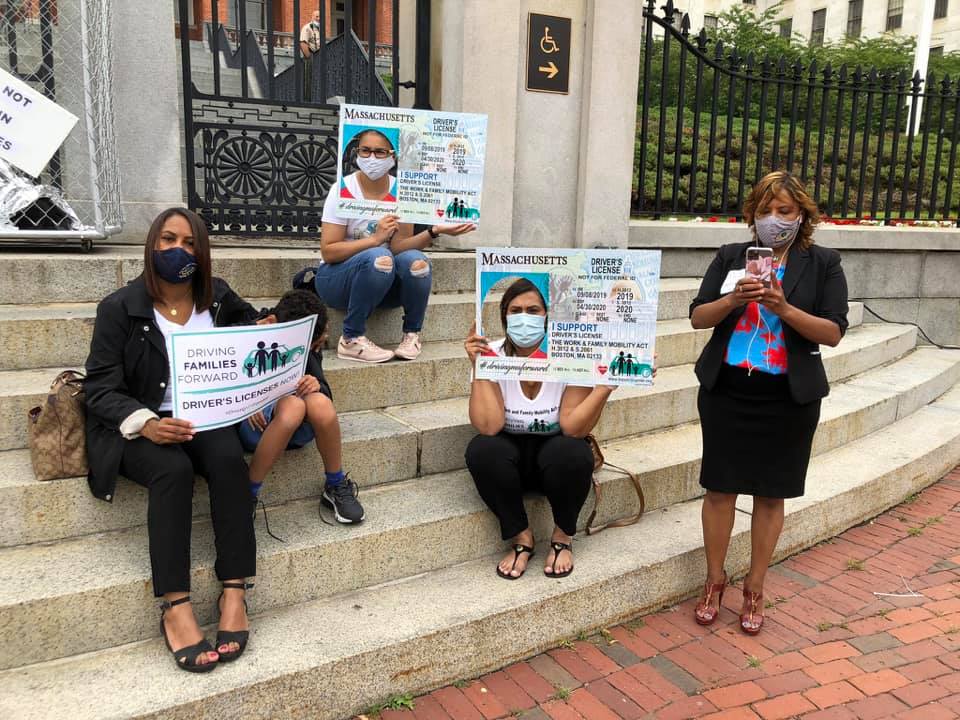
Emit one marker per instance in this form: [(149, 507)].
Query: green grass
[(562, 693), (853, 564)]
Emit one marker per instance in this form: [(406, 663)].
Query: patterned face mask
[(773, 231)]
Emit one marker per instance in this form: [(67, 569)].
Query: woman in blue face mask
[(531, 438), (131, 431), (762, 379)]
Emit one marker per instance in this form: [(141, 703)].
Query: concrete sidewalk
[(866, 625)]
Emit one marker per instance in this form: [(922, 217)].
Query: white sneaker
[(409, 347), (362, 350)]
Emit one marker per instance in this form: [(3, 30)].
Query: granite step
[(47, 589), (384, 446), (440, 373), (51, 334), (460, 621), (74, 277)]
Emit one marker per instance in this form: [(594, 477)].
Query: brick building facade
[(281, 14)]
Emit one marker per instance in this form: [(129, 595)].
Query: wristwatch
[(433, 235)]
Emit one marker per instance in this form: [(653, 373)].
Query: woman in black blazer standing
[(131, 432), (762, 379)]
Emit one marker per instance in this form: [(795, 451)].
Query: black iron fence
[(711, 122), (261, 115)]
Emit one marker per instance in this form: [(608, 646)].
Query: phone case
[(760, 264)]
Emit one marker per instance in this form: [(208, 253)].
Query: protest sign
[(601, 314), (438, 174), (224, 375), (31, 126)]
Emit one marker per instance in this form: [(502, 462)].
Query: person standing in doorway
[(309, 46)]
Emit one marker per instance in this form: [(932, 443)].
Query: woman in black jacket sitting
[(130, 432)]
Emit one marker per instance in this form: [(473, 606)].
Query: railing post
[(421, 93)]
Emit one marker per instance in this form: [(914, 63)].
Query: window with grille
[(936, 51), (854, 18), (749, 2), (819, 23), (709, 22), (786, 28), (940, 9), (894, 14)]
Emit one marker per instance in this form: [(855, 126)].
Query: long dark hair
[(517, 287), (202, 280)]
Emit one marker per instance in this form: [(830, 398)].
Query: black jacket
[(813, 281), (128, 370)]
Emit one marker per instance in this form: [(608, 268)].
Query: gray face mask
[(773, 231)]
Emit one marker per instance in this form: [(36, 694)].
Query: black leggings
[(167, 471), (505, 466)]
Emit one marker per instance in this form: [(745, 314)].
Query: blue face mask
[(175, 265), (526, 330)]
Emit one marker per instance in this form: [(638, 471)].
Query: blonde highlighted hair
[(771, 185)]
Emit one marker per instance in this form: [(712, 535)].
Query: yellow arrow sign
[(549, 69)]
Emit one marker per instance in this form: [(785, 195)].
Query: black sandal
[(240, 637), (559, 547), (518, 549), (186, 657)]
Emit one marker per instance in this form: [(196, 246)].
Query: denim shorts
[(250, 437)]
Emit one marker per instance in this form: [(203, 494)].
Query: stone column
[(608, 122), (146, 111), (480, 55)]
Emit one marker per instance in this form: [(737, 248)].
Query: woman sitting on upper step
[(369, 263), (131, 432), (762, 379), (531, 438)]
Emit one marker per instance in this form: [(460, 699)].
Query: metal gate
[(261, 118)]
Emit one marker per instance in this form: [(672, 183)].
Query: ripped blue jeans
[(359, 285)]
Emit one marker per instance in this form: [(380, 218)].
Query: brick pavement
[(830, 648)]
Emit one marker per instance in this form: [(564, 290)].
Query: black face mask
[(175, 265)]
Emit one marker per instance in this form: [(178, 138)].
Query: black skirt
[(756, 439)]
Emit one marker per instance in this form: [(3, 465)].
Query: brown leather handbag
[(598, 463), (56, 430)]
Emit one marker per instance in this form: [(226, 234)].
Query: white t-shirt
[(357, 228), (197, 321), (526, 416)]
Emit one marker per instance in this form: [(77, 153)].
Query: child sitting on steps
[(293, 421)]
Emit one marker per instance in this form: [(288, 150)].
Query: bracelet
[(432, 234)]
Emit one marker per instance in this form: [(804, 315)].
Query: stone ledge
[(693, 235)]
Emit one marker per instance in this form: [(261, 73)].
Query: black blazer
[(128, 370), (813, 281)]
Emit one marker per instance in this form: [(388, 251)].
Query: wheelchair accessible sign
[(548, 54)]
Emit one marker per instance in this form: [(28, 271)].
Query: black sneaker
[(342, 499)]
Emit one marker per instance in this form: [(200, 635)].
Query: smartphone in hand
[(760, 264)]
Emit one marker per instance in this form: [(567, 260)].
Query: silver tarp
[(19, 194)]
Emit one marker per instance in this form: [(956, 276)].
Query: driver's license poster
[(601, 314)]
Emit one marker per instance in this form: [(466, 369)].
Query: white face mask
[(374, 168)]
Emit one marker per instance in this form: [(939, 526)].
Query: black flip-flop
[(518, 549), (558, 547)]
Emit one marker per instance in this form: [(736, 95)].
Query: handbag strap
[(73, 379), (600, 462)]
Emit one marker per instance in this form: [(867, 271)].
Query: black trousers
[(505, 466), (167, 472)]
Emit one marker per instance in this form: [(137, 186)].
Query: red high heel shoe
[(751, 616), (705, 613)]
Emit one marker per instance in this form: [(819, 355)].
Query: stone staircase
[(344, 617)]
